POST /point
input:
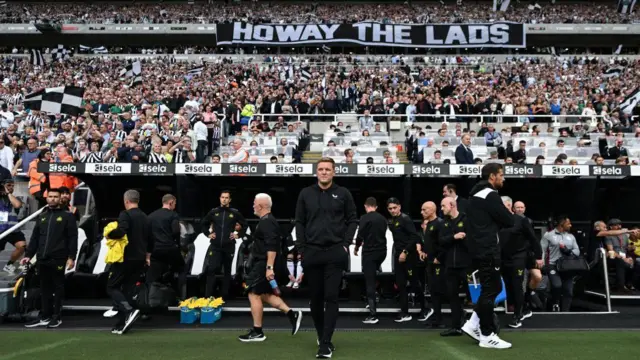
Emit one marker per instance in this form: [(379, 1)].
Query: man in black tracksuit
[(326, 222), (454, 239), (220, 226), (372, 232), (55, 242), (519, 244), (167, 255), (486, 217), (123, 276), (434, 259), (407, 248)]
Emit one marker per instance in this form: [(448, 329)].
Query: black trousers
[(371, 262), (218, 260), (513, 273), (201, 151), (406, 271), (454, 279), (122, 281), (436, 279), (170, 260), (51, 274), (324, 268), (624, 272), (491, 285), (561, 288)]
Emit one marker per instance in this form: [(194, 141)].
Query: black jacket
[(135, 224), (486, 216), (405, 235), (325, 217), (224, 220), (520, 240), (464, 155), (54, 237), (458, 255), (267, 237), (431, 241), (372, 231), (165, 229)]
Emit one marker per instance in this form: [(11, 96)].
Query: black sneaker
[(451, 332), (371, 320), (526, 314), (403, 318), (252, 336), (515, 323), (54, 324), (331, 347), (437, 325), (425, 315), (38, 323), (295, 322), (324, 352), (555, 308), (130, 318), (117, 329)]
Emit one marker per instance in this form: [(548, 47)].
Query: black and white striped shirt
[(157, 158), (92, 157), (121, 135), (181, 156)]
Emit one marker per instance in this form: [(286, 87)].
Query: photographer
[(9, 208)]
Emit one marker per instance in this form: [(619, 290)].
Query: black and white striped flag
[(95, 50), (36, 58), (196, 71), (326, 49), (612, 71), (626, 6), (134, 71), (630, 102), (305, 73), (3, 3)]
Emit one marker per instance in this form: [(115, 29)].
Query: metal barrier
[(22, 222), (605, 271)]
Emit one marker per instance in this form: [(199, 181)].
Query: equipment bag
[(572, 265), (155, 296)]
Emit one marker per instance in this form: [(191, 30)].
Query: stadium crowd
[(240, 98), (268, 12)]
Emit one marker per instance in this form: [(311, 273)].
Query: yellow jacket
[(116, 246)]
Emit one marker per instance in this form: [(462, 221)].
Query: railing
[(605, 272), (22, 223)]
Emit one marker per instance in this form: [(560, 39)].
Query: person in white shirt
[(202, 133), (6, 117), (195, 105), (6, 154), (240, 155)]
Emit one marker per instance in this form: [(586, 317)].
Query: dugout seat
[(355, 262)]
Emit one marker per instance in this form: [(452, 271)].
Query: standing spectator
[(464, 155)]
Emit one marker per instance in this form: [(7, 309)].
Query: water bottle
[(274, 287)]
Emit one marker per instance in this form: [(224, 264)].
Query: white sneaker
[(9, 268), (472, 331), (290, 284), (296, 285), (110, 313), (493, 342)]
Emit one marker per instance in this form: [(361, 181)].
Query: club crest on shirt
[(460, 224), (431, 228), (59, 219), (216, 214), (230, 216), (397, 224)]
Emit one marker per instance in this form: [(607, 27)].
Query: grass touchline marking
[(38, 349)]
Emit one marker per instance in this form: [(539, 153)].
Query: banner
[(418, 170), (499, 34)]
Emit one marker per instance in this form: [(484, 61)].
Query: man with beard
[(486, 217)]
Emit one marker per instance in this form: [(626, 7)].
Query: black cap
[(613, 222), (64, 190)]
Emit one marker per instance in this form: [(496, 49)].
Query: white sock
[(291, 267), (299, 270), (475, 320)]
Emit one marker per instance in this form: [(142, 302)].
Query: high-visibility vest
[(35, 178), (58, 180)]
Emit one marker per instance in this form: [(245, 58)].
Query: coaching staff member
[(326, 223), (123, 276), (166, 255), (486, 216), (55, 241), (219, 225), (266, 246), (372, 232), (434, 256)]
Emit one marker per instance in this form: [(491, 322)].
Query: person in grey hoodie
[(557, 244)]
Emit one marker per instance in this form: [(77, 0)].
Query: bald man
[(534, 265), (453, 239), (519, 208), (240, 155), (433, 256)]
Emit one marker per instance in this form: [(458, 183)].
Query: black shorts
[(256, 280), (13, 238)]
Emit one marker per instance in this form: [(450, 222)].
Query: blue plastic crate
[(210, 315), (189, 316)]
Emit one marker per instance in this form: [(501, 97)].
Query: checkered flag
[(61, 53), (58, 100), (134, 71)]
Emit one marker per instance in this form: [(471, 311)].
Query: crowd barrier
[(435, 170)]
